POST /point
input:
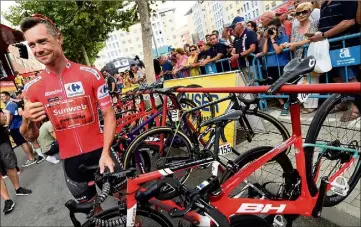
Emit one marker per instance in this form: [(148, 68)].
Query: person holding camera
[(273, 40)]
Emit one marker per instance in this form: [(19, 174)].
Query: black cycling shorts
[(17, 137), (78, 180)]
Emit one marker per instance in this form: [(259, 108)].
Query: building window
[(273, 4), (117, 44), (239, 11), (109, 55), (230, 6), (112, 53), (114, 45), (131, 48), (247, 6), (137, 39), (237, 2), (267, 7), (139, 46), (227, 8), (129, 41), (123, 42), (254, 15), (257, 12), (126, 49), (249, 15), (242, 9)]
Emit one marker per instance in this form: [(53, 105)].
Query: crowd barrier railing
[(345, 57)]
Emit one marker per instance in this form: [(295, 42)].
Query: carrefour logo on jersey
[(74, 89), (103, 91)]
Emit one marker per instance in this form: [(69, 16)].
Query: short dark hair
[(214, 35), (207, 35), (215, 32), (253, 25), (31, 22), (6, 93), (277, 22)]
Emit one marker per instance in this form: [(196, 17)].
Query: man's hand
[(106, 161), (204, 62), (316, 38), (34, 111), (234, 57)]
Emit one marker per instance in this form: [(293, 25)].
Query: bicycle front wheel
[(147, 217), (329, 128), (173, 148)]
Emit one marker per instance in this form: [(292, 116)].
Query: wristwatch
[(323, 35)]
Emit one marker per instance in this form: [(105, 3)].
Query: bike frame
[(303, 205)]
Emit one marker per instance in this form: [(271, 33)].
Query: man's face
[(266, 18), (238, 29), (214, 39), (134, 68), (282, 16), (4, 98), (45, 47), (202, 47), (208, 39)]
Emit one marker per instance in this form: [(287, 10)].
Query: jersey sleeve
[(100, 91), (12, 108), (30, 89)]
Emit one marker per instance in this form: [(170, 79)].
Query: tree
[(85, 25), (144, 11)]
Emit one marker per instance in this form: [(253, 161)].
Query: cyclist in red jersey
[(69, 93)]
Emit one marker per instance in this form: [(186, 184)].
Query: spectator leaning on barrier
[(138, 75), (193, 61), (299, 37), (273, 40), (338, 19), (217, 52), (166, 68), (245, 43), (202, 55), (182, 61), (208, 38), (282, 14)]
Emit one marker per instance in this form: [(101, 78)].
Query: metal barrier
[(254, 68)]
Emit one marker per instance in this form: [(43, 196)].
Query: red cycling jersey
[(71, 102)]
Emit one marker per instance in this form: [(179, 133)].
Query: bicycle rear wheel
[(153, 218), (327, 128)]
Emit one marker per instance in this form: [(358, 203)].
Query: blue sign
[(210, 68), (345, 56)]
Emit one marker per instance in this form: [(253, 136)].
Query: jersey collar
[(67, 65)]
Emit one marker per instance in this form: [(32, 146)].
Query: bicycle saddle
[(293, 71), (230, 116)]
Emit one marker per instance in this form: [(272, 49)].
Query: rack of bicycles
[(267, 176)]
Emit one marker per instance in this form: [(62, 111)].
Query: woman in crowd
[(193, 61), (182, 61), (299, 37), (273, 40)]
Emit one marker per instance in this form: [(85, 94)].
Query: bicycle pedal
[(340, 186), (279, 221)]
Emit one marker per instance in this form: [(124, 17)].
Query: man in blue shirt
[(245, 43), (14, 123), (166, 68), (273, 40)]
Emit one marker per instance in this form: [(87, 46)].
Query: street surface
[(45, 207)]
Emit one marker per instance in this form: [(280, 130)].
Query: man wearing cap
[(282, 14), (244, 44)]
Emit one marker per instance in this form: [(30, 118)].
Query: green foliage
[(86, 23)]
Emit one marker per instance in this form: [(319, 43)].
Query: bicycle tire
[(253, 154), (143, 136), (274, 121), (212, 108), (312, 136), (116, 212)]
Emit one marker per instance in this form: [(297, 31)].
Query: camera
[(271, 31)]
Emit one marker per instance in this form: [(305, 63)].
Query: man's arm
[(109, 129), (340, 27), (33, 112), (358, 13), (251, 49), (219, 56)]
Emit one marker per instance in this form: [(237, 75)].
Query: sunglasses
[(44, 18), (192, 49), (302, 12)]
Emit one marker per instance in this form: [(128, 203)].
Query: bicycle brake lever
[(176, 213)]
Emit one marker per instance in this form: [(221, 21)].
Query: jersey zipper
[(74, 132)]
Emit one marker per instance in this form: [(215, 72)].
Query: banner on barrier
[(345, 56), (219, 80)]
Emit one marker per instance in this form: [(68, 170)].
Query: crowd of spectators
[(310, 21)]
